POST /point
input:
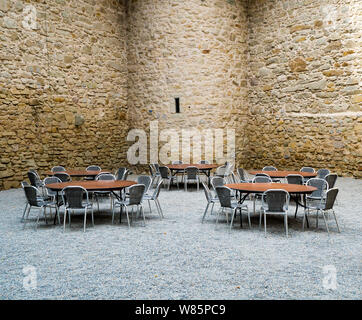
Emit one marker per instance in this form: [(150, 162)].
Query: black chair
[(120, 173), (275, 201), (136, 193), (324, 207), (63, 176), (192, 174), (58, 169), (331, 179), (92, 168), (73, 200), (225, 198), (35, 199), (166, 176)]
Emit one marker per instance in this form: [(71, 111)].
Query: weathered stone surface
[(320, 77), (44, 85), (297, 65), (282, 75)]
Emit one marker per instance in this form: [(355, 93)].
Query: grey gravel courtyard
[(180, 258)]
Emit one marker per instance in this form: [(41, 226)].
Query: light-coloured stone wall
[(71, 68), (286, 75), (194, 50), (305, 84)]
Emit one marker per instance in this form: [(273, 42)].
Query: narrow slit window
[(177, 105)]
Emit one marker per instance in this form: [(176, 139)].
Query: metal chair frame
[(35, 199), (266, 210), (325, 207), (84, 205), (227, 203)]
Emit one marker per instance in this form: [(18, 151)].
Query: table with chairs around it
[(58, 190), (270, 188)]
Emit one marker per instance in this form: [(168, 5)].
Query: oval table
[(99, 185), (284, 173), (259, 188), (204, 168)]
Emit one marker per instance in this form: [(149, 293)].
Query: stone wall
[(63, 86), (305, 84), (286, 75), (194, 50)]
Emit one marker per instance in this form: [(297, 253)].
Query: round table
[(78, 173), (284, 173), (204, 168), (99, 185), (293, 189)]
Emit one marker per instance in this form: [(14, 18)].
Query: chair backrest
[(307, 169), (262, 179), (262, 175), (126, 173), (331, 196), (164, 172), (36, 172), (49, 180), (157, 167), (63, 176), (229, 167), (320, 184), (120, 173), (207, 192), (220, 171), (32, 195), (93, 168), (24, 183), (105, 176), (234, 178), (177, 162), (136, 193), (156, 193), (295, 179), (33, 178), (152, 170), (73, 197), (204, 162), (217, 182), (322, 173), (192, 172), (58, 169), (270, 168), (241, 174), (331, 179), (224, 195), (275, 200), (146, 180)]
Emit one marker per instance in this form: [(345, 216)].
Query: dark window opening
[(177, 105)]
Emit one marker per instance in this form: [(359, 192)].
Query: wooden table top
[(99, 185), (78, 173), (198, 165), (284, 173), (262, 187)]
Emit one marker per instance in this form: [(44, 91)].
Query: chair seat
[(122, 203), (84, 205), (275, 212), (238, 205)]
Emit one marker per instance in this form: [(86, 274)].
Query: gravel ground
[(180, 258)]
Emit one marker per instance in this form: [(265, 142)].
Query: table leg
[(241, 201), (296, 208), (305, 205), (56, 211)]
